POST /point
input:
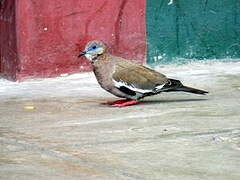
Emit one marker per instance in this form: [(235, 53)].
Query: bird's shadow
[(171, 101)]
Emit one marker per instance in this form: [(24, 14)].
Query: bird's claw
[(127, 103), (116, 102)]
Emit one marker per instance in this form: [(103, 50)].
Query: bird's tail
[(176, 85), (191, 90)]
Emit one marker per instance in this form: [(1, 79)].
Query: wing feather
[(137, 77)]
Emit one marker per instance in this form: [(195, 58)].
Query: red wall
[(51, 33), (8, 48)]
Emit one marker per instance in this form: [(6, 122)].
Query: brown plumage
[(127, 79)]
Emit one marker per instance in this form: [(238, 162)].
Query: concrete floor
[(173, 136)]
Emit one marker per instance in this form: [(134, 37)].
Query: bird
[(127, 79)]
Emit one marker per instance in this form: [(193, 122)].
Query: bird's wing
[(137, 77)]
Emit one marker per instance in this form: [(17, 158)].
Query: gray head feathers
[(93, 50)]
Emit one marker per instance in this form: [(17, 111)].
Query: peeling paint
[(170, 2)]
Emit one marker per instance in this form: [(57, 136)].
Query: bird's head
[(93, 50)]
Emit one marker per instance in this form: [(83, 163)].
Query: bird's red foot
[(116, 102), (126, 103)]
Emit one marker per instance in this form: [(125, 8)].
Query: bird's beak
[(82, 53)]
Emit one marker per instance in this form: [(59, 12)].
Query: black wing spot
[(127, 91), (172, 83)]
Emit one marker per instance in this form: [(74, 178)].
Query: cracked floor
[(69, 134)]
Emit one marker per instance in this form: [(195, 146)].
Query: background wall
[(187, 29), (48, 35), (8, 43), (43, 38)]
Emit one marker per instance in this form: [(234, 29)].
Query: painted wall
[(192, 29), (50, 34), (43, 38), (8, 46)]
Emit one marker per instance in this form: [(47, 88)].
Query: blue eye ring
[(94, 47)]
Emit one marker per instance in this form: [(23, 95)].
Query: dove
[(127, 79)]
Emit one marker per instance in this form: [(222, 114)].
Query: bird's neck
[(100, 59), (96, 57)]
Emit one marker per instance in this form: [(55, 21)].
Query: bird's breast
[(104, 76)]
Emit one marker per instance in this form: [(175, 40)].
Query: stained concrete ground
[(173, 136)]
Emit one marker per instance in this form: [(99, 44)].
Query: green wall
[(192, 29)]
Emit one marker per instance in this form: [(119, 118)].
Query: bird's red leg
[(116, 102), (126, 103)]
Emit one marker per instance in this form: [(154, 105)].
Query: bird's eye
[(94, 47)]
